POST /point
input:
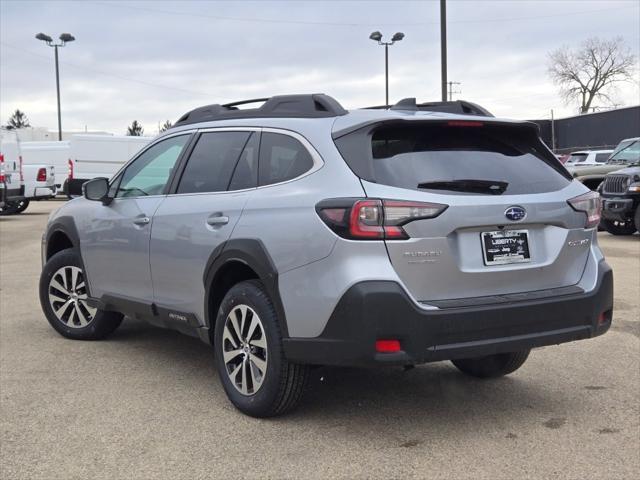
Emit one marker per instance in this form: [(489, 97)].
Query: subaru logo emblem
[(515, 213)]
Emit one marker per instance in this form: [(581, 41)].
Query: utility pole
[(443, 47), (553, 133), (451, 92)]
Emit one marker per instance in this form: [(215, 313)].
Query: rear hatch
[(507, 226)]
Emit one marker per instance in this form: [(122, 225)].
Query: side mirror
[(97, 190)]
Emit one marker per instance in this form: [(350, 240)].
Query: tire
[(492, 366), (636, 218), (22, 205), (9, 209), (618, 228), (77, 320), (256, 376)]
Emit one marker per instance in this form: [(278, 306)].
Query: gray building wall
[(592, 130)]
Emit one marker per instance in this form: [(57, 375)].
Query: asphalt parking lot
[(146, 403)]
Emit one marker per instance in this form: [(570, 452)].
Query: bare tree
[(166, 126), (588, 72), (135, 129), (18, 120)]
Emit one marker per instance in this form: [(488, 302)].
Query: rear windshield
[(577, 157), (481, 159)]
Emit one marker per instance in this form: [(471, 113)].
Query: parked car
[(588, 157), (299, 234), (94, 156), (39, 184), (49, 153), (621, 193), (625, 154), (11, 183)]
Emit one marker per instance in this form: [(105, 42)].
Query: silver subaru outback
[(298, 234)]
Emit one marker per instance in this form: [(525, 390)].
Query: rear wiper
[(492, 187)]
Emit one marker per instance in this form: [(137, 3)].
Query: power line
[(349, 24), (101, 72)]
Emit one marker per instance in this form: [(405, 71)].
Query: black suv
[(620, 193)]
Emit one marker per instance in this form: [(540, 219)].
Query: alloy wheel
[(244, 349), (68, 297)]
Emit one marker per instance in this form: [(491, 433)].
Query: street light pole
[(64, 39), (386, 74), (377, 37), (58, 94)]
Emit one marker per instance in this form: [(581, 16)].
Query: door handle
[(141, 221), (220, 220)]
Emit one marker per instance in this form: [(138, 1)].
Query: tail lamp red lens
[(21, 173), (2, 177), (590, 204), (388, 346), (42, 175), (374, 219), (70, 169)]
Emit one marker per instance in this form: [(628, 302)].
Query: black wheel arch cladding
[(252, 253)]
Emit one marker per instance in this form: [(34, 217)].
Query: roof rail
[(459, 106), (317, 105)]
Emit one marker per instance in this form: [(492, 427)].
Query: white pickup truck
[(19, 183)]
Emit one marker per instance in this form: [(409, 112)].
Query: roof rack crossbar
[(317, 105)]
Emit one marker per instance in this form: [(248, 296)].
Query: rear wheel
[(492, 366), (64, 299), (249, 357), (22, 205), (636, 218), (10, 208), (618, 228)]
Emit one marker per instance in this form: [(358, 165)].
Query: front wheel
[(64, 300), (249, 357), (618, 228), (492, 366)]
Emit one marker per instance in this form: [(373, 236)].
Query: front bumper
[(618, 209), (375, 310)]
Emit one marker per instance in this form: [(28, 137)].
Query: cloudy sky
[(154, 60)]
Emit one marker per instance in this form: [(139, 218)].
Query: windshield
[(627, 153)]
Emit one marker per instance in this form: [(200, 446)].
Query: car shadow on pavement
[(434, 395)]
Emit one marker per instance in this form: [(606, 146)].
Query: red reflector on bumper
[(387, 346)]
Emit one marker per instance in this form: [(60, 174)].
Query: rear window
[(577, 157), (484, 159)]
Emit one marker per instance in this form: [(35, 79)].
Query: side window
[(602, 157), (212, 162), (246, 173), (282, 158), (149, 173)]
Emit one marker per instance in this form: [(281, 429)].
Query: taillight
[(42, 175), (21, 173), (374, 219), (2, 177), (70, 169), (588, 203)]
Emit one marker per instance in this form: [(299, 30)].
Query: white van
[(94, 156), (11, 184), (48, 153)]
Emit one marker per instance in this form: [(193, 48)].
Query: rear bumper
[(375, 310)]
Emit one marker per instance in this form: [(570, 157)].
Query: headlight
[(634, 187)]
